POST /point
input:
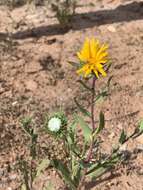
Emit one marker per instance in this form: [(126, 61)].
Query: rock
[(14, 103), (9, 188), (12, 176), (111, 28)]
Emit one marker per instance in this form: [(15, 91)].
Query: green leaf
[(101, 123), (83, 110), (123, 137), (97, 170), (49, 186), (58, 165), (71, 133), (73, 125), (42, 166), (76, 170), (26, 121), (104, 93), (84, 85), (101, 96), (87, 132), (73, 64), (71, 138), (107, 66), (109, 81), (23, 187), (25, 124), (141, 126)]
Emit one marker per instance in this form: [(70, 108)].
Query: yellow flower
[(93, 56)]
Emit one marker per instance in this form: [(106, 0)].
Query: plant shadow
[(92, 184), (128, 161), (123, 13)]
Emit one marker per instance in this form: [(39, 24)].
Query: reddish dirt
[(35, 78)]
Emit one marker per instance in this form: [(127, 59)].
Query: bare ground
[(35, 78)]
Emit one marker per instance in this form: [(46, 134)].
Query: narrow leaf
[(87, 132), (23, 187), (109, 81), (42, 166), (57, 164), (99, 169), (83, 110), (101, 96), (141, 126), (73, 63), (84, 85), (123, 137), (101, 123)]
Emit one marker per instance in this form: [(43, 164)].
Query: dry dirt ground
[(35, 78)]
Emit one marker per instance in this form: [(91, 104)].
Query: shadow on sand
[(123, 13)]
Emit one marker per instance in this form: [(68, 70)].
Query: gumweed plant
[(86, 159), (64, 11)]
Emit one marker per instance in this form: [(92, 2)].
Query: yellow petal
[(80, 56), (101, 50), (87, 72), (85, 52), (102, 72), (102, 55), (96, 73), (82, 69), (98, 65), (94, 46)]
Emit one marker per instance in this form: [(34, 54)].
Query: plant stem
[(93, 128), (92, 119), (92, 103), (31, 176)]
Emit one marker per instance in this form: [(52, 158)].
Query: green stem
[(92, 103), (93, 129)]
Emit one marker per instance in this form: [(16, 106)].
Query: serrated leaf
[(87, 132), (83, 110), (123, 137), (58, 165), (42, 166), (101, 123)]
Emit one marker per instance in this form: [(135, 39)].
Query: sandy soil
[(35, 78)]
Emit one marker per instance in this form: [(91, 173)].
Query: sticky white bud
[(54, 124)]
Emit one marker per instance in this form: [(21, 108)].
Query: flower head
[(54, 124), (92, 56)]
